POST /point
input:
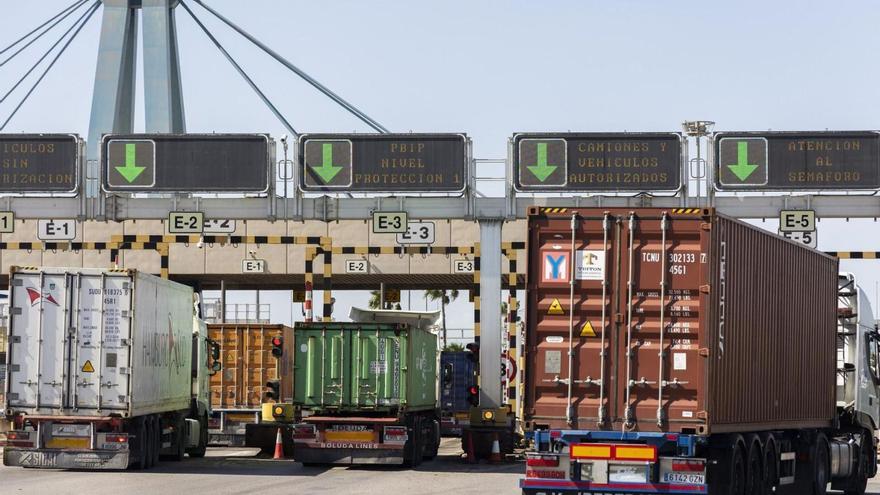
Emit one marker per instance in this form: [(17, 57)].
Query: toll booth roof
[(420, 319)]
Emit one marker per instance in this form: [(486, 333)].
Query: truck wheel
[(149, 442), (180, 437), (771, 466), (199, 451), (139, 430), (434, 447), (157, 439), (755, 467), (728, 477), (820, 466), (412, 456)]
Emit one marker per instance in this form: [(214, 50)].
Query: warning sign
[(88, 368), (587, 330), (555, 308)]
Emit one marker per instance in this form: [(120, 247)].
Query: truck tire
[(149, 441), (754, 465), (157, 439), (432, 448), (771, 465), (412, 449), (199, 451), (821, 467), (728, 476), (139, 430), (180, 438)]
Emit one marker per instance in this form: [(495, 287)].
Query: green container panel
[(364, 367)]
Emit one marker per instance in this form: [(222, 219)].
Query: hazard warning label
[(88, 368), (587, 330), (555, 308)]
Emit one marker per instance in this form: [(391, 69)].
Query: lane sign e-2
[(797, 221), (357, 266), (186, 222), (417, 233), (389, 222), (56, 230), (219, 226)]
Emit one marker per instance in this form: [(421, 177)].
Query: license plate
[(348, 436), (62, 430), (686, 478)]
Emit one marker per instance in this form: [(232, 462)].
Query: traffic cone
[(495, 456), (279, 446), (471, 456)]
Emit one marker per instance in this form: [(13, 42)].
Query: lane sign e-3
[(417, 233), (389, 222)]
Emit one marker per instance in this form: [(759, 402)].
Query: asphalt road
[(237, 471)]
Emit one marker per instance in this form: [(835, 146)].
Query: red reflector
[(12, 436), (117, 438), (689, 466), (543, 461), (395, 430), (672, 437), (555, 433)]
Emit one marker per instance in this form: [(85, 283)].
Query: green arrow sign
[(742, 169), (327, 171), (130, 171), (541, 169)]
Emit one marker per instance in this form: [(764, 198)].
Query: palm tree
[(375, 299), (445, 297)]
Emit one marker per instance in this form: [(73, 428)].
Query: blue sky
[(490, 68)]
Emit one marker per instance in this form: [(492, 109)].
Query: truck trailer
[(253, 367), (456, 378), (367, 390), (682, 351), (106, 369)]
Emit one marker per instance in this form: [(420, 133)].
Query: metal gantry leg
[(490, 313)]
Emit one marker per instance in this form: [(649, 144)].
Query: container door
[(39, 348), (366, 368), (659, 367), (577, 392), (100, 364)]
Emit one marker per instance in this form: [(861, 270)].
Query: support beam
[(164, 111), (490, 313)]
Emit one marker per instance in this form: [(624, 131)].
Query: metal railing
[(236, 312)]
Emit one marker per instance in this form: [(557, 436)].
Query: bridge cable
[(75, 5), (83, 20), (320, 87), (38, 62), (241, 71)]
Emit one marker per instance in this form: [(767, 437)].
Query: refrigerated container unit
[(683, 351), (105, 369), (367, 389)]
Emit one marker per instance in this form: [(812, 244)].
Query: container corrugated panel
[(248, 363), (364, 367), (456, 375), (747, 317)]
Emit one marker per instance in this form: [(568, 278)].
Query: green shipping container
[(350, 367)]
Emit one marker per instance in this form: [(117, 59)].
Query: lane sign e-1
[(463, 265), (797, 221), (357, 266), (7, 222), (417, 233), (253, 266), (186, 222), (389, 222), (56, 230)]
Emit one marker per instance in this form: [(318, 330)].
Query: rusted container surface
[(745, 320), (248, 363)]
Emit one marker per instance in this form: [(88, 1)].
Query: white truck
[(106, 369)]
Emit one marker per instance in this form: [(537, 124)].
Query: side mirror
[(216, 366), (447, 374)]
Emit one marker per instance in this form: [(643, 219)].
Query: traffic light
[(277, 346), (473, 395), (274, 392)]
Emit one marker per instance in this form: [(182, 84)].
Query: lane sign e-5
[(417, 233), (56, 230), (186, 222), (7, 222), (218, 226), (389, 222), (805, 238), (357, 266), (797, 221), (253, 266)]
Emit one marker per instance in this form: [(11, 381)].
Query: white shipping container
[(92, 342)]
